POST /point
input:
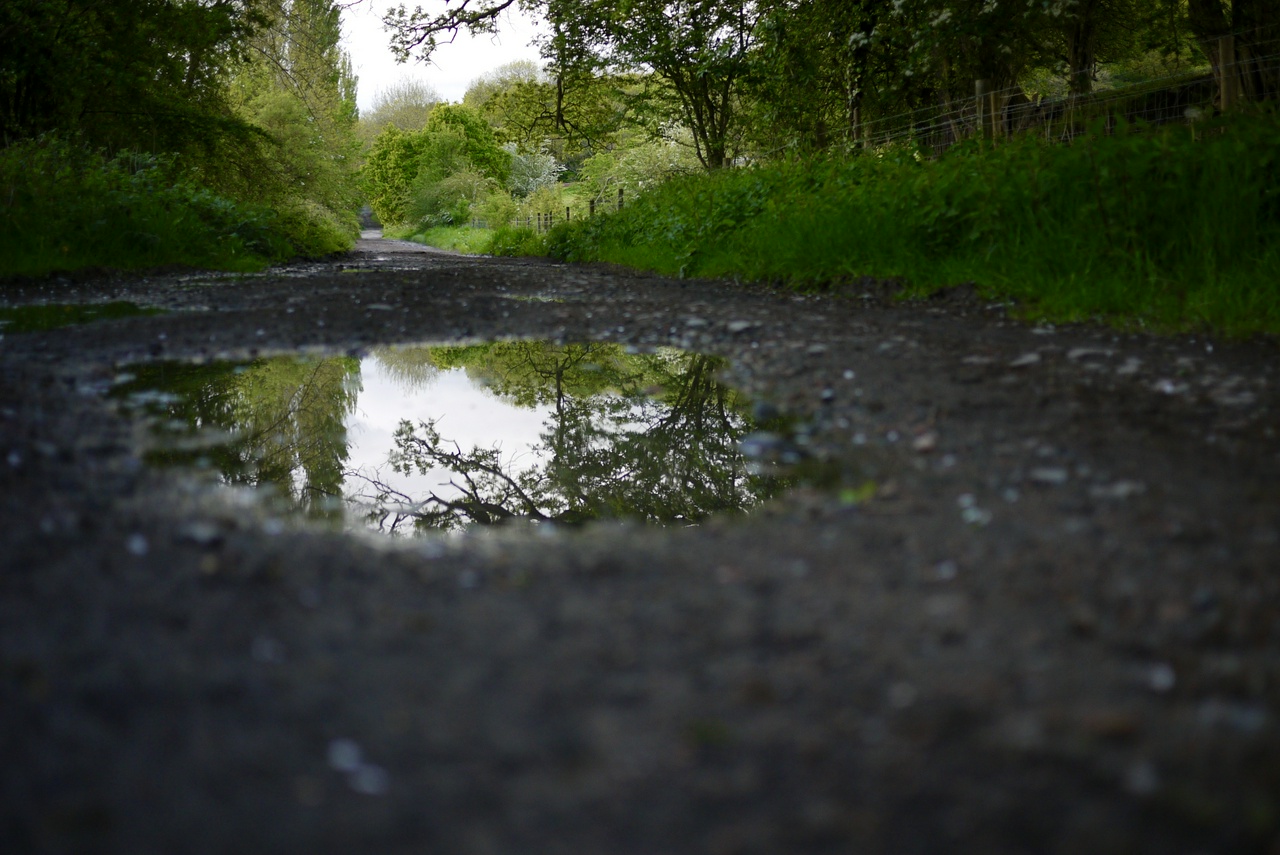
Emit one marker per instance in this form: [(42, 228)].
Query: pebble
[(1049, 475), (1076, 354), (1025, 360), (344, 755), (925, 442), (137, 545), (1119, 491), (1161, 677)]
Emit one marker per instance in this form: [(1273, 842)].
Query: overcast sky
[(453, 66)]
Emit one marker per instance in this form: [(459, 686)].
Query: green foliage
[(247, 109), (516, 241), (635, 168), (66, 207), (472, 241), (433, 176), (479, 145), (1155, 228), (137, 74)]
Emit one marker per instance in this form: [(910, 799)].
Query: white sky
[(453, 66)]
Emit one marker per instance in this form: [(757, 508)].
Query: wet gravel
[(1053, 628)]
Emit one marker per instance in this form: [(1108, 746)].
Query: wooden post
[(566, 213), (591, 208), (619, 198), (1228, 73), (981, 93)]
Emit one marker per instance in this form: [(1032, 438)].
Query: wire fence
[(1001, 113)]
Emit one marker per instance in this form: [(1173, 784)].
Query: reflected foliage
[(287, 417), (653, 436), (649, 436)]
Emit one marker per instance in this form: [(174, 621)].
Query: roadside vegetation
[(1151, 227), (155, 132)]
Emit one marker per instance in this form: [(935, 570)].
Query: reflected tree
[(287, 417), (653, 436)]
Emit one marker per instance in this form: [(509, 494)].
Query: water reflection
[(440, 438)]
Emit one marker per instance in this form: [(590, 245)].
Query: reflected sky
[(419, 440)]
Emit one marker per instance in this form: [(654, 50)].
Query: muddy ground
[(1055, 628)]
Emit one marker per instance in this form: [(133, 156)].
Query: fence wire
[(1185, 97)]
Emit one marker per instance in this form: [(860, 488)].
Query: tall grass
[(1152, 228), (64, 207)]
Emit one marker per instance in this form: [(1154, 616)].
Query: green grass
[(466, 239), (64, 207), (1149, 229)]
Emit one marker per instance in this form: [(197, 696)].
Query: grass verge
[(472, 241), (1157, 229)]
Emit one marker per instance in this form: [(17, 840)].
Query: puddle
[(22, 319), (436, 439)]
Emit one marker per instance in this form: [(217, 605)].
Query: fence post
[(591, 208), (1228, 74), (566, 213), (619, 198), (981, 91)]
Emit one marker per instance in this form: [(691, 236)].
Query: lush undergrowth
[(1155, 229), (472, 241), (63, 207)]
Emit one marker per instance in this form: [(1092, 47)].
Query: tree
[(1255, 27), (406, 104), (699, 48), (403, 171), (297, 86), (141, 74)]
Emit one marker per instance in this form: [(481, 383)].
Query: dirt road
[(1055, 627)]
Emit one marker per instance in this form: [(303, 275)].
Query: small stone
[(1118, 491), (736, 327), (201, 533), (1161, 677), (925, 442), (369, 780), (137, 545), (695, 322), (1025, 360), (1131, 366), (816, 349), (345, 755), (1077, 354), (1049, 475)]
